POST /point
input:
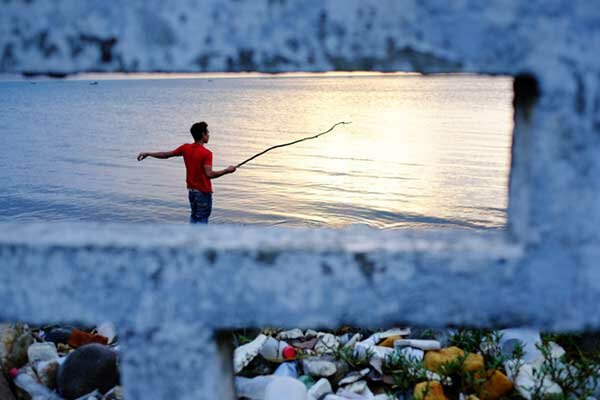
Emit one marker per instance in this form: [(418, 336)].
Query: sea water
[(420, 152)]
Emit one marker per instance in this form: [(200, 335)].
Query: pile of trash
[(394, 364), (59, 362)]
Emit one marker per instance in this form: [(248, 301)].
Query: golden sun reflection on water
[(419, 152)]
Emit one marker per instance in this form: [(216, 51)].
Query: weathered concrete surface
[(169, 288), (165, 285), (231, 277)]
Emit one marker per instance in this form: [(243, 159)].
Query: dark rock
[(90, 367), (58, 335)]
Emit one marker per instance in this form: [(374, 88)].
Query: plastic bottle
[(286, 388), (528, 338), (42, 352), (252, 388), (419, 344), (277, 350), (287, 369), (33, 388)]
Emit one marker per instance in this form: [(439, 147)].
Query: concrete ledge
[(228, 277)]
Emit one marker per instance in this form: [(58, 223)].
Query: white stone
[(356, 387), (354, 376), (320, 388), (290, 334), (327, 343), (319, 367)]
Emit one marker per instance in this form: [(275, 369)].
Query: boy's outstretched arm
[(215, 174), (159, 154)]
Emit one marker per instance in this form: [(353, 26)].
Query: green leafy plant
[(405, 370), (576, 374), (353, 359)]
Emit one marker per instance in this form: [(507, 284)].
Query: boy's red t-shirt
[(196, 156)]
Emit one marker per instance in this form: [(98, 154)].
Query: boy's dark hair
[(198, 130)]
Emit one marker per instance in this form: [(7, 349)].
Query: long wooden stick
[(291, 143)]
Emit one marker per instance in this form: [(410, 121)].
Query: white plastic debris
[(318, 367), (320, 388), (107, 329), (243, 355), (291, 334), (353, 340), (354, 376), (393, 332), (525, 381), (287, 369), (375, 338), (411, 352), (252, 388), (47, 371), (25, 380), (286, 388), (419, 344), (377, 354), (529, 339), (277, 350), (42, 352), (556, 351)]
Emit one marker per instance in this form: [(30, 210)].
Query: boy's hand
[(230, 169), (141, 156)]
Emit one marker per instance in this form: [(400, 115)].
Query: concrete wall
[(170, 288)]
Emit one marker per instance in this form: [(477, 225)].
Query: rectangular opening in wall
[(421, 151)]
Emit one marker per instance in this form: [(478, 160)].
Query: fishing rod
[(291, 143)]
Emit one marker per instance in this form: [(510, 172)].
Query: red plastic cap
[(288, 353), (14, 372)]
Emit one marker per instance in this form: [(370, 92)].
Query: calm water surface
[(421, 152)]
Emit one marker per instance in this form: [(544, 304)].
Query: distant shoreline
[(195, 75)]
